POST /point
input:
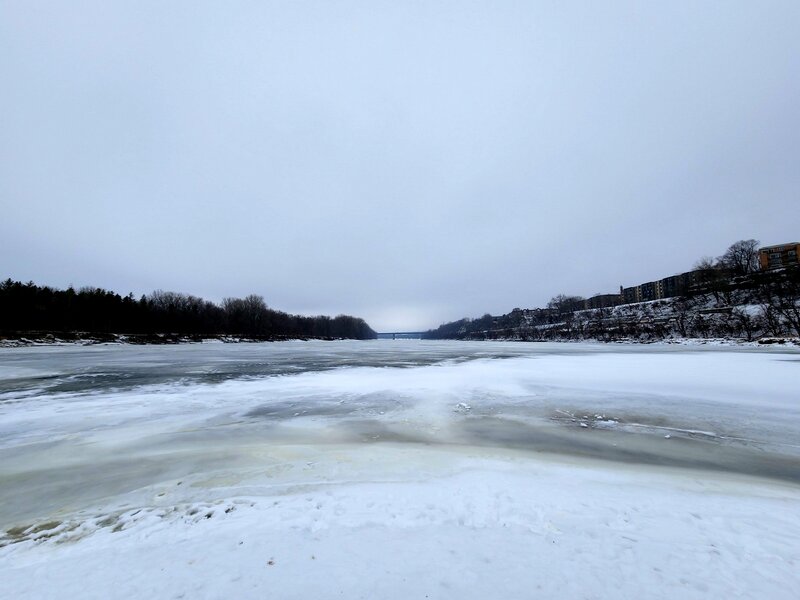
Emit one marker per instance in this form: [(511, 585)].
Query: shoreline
[(510, 518), (82, 338)]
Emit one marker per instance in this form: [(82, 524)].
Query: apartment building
[(779, 257), (603, 301)]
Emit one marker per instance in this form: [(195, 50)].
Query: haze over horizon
[(409, 163)]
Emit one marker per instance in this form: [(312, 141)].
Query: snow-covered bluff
[(756, 308)]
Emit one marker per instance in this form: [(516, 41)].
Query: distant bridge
[(401, 335)]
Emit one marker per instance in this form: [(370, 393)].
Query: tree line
[(27, 307)]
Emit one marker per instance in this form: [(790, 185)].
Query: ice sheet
[(439, 469)]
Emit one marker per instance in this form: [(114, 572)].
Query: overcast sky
[(408, 162)]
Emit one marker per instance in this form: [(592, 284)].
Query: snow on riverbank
[(511, 527)]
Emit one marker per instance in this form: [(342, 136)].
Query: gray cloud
[(407, 162)]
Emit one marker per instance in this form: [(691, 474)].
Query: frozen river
[(421, 449)]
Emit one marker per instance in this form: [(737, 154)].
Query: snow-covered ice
[(381, 469)]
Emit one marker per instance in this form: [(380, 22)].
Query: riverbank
[(82, 338), (429, 522), (78, 338)]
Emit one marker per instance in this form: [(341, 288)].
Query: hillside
[(748, 308)]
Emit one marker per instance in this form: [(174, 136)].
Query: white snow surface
[(421, 474)]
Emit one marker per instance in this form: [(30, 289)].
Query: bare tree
[(772, 320), (682, 317), (745, 321), (707, 262), (788, 309), (741, 257), (565, 304), (712, 276)]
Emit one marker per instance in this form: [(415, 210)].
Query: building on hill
[(577, 304), (669, 287), (674, 285), (648, 291), (779, 257), (631, 295), (603, 301), (702, 278)]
